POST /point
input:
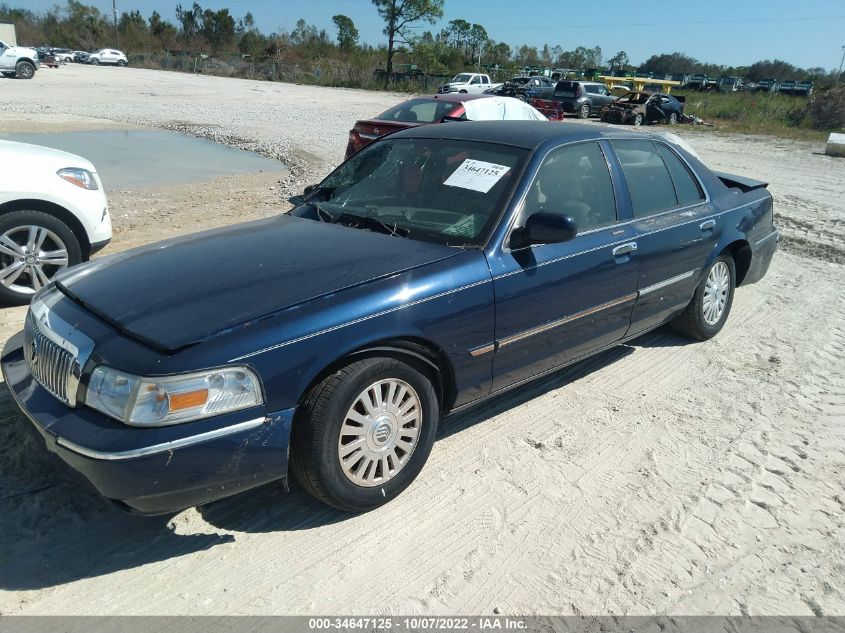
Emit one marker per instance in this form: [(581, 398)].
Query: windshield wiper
[(374, 224), (323, 215)]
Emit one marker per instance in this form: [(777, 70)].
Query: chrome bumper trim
[(768, 237), (159, 448)]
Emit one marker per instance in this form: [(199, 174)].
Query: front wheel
[(25, 70), (639, 119), (95, 61), (364, 433), (673, 118), (34, 246), (121, 63), (706, 314)]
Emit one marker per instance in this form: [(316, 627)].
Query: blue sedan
[(435, 268)]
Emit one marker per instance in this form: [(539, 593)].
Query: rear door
[(676, 228), (558, 302)]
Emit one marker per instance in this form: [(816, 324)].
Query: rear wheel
[(364, 433), (34, 246), (584, 111), (121, 63), (673, 118), (25, 70), (706, 314), (639, 119)]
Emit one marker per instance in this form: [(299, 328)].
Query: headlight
[(79, 177), (168, 400)]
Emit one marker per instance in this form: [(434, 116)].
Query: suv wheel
[(25, 70), (584, 112), (34, 246)]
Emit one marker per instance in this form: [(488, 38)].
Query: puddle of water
[(143, 158)]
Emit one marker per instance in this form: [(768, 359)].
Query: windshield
[(436, 190), (419, 111), (634, 97), (461, 79)]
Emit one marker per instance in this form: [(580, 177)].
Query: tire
[(327, 426), (20, 279), (121, 63), (95, 61), (463, 92), (673, 118), (25, 70), (695, 321), (584, 111), (639, 119)]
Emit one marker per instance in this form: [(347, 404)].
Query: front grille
[(50, 364)]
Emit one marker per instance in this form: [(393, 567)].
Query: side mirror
[(544, 228), (302, 197)]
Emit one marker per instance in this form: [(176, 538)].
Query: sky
[(808, 33)]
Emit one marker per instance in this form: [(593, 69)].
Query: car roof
[(453, 97), (526, 134)]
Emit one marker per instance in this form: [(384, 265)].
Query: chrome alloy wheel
[(29, 257), (380, 432), (716, 290)]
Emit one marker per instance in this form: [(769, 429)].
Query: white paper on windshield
[(476, 175)]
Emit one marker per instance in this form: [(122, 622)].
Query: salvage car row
[(441, 264)]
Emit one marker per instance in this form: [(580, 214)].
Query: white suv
[(17, 61), (53, 214), (108, 56)]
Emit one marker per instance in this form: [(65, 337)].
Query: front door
[(558, 302)]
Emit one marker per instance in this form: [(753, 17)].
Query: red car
[(410, 113)]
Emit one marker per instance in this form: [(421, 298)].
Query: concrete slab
[(835, 145)]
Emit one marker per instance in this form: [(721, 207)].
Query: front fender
[(447, 306)]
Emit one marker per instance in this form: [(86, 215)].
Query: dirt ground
[(661, 477)]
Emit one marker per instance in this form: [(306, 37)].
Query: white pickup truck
[(472, 83), (18, 61)]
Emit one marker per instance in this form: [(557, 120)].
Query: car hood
[(189, 289), (12, 152)]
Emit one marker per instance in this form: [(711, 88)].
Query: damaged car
[(639, 108), (436, 268)]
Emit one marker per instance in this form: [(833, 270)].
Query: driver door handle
[(707, 225), (624, 249)]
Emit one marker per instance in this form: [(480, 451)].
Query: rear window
[(648, 178), (419, 111), (566, 88), (685, 185)]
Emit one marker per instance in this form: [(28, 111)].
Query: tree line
[(456, 47)]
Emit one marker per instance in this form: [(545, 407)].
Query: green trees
[(347, 34), (398, 15)]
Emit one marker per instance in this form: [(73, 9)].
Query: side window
[(574, 180), (485, 80), (647, 177), (685, 185), (476, 80), (593, 89)]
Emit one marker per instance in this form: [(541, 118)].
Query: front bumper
[(618, 116), (153, 470)]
